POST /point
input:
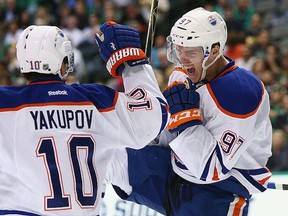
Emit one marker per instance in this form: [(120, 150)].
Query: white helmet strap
[(205, 67)]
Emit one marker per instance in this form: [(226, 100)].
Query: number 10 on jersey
[(58, 200)]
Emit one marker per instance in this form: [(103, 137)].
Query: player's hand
[(183, 101), (119, 44)]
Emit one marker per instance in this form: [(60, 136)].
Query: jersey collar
[(46, 79), (228, 68)]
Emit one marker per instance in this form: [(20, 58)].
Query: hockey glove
[(183, 101), (119, 44)]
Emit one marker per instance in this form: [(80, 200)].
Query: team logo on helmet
[(212, 20), (61, 33)]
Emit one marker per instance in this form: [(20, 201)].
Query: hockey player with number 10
[(220, 132), (56, 140)]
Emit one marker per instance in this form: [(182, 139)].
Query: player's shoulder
[(178, 74), (10, 96), (236, 92), (103, 97)]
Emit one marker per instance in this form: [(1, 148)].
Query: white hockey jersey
[(56, 140), (235, 138)]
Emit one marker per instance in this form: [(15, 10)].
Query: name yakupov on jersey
[(235, 138), (56, 140)]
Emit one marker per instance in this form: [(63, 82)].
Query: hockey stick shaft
[(151, 28), (277, 186)]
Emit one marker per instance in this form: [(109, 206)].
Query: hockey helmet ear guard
[(42, 49)]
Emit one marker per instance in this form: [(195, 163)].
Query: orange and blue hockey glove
[(119, 44), (183, 102)]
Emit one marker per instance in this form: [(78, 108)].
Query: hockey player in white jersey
[(56, 139), (218, 161)]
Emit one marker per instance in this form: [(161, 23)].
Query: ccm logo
[(183, 117)]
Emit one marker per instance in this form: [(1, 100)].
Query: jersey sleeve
[(142, 108), (133, 117)]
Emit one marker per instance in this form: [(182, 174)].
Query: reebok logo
[(58, 92)]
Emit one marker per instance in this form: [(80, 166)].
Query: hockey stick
[(151, 28), (277, 186)]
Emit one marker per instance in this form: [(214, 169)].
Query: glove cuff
[(124, 55), (180, 118)]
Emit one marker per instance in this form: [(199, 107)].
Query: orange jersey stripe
[(178, 69), (215, 175), (239, 206), (46, 104)]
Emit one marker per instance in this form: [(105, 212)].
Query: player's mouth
[(191, 71)]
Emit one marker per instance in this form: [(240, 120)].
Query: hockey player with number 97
[(219, 131), (56, 140)]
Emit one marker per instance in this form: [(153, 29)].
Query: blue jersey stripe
[(252, 181), (219, 156), (164, 110), (15, 212)]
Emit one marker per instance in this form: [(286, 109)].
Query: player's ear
[(215, 49)]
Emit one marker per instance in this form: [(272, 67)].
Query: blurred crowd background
[(257, 41)]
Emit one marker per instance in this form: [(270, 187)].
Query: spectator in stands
[(25, 19), (159, 44), (72, 31), (262, 41), (3, 48), (282, 118), (243, 12), (10, 11), (221, 7), (62, 15), (276, 110), (111, 12), (81, 11), (235, 26), (4, 76), (279, 159), (283, 79), (256, 26), (79, 66), (234, 46), (248, 59), (12, 34), (91, 29), (272, 58), (43, 17), (134, 18)]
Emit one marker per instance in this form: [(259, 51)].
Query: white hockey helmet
[(197, 28), (42, 49)]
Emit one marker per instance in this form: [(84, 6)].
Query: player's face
[(191, 58)]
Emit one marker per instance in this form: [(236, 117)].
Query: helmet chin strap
[(64, 76), (205, 67)]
